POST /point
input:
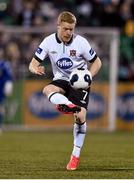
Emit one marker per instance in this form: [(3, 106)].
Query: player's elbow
[(30, 66), (31, 69)]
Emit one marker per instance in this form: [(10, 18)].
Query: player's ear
[(58, 26)]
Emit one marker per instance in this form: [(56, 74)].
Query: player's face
[(65, 31)]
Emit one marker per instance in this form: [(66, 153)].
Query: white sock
[(79, 133), (76, 151), (57, 98)]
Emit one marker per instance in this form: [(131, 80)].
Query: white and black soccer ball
[(80, 79)]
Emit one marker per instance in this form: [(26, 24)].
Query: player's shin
[(79, 133), (79, 136)]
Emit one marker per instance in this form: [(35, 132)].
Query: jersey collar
[(59, 41)]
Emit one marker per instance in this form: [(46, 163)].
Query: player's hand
[(36, 68), (90, 77), (40, 70)]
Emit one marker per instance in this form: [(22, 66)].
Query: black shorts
[(79, 97)]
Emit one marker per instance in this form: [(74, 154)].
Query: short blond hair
[(66, 16)]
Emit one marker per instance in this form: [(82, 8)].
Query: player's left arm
[(91, 57), (95, 66)]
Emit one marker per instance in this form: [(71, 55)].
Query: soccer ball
[(80, 79)]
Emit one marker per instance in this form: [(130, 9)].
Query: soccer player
[(67, 51), (6, 83)]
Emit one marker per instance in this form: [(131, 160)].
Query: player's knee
[(51, 89), (45, 90), (48, 89), (80, 117)]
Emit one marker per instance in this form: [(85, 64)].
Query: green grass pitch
[(36, 155)]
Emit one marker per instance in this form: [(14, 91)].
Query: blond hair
[(66, 16)]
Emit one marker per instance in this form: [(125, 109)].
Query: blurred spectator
[(48, 11), (13, 54), (5, 17), (110, 16), (84, 10), (125, 11), (6, 83), (24, 44), (126, 71), (26, 16), (38, 20)]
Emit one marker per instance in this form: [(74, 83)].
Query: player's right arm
[(35, 67), (39, 56)]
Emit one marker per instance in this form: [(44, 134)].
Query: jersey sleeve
[(41, 51), (88, 52)]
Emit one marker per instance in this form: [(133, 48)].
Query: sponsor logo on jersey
[(96, 106), (39, 50), (91, 52), (125, 107), (72, 52), (40, 106), (64, 63)]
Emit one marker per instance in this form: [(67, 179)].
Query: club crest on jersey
[(72, 52), (64, 63)]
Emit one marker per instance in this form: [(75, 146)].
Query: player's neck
[(59, 39)]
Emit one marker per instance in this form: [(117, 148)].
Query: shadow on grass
[(82, 168), (105, 169)]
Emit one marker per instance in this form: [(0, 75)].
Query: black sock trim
[(77, 146), (80, 123), (51, 95), (80, 132)]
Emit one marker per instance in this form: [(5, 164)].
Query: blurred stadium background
[(109, 26)]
